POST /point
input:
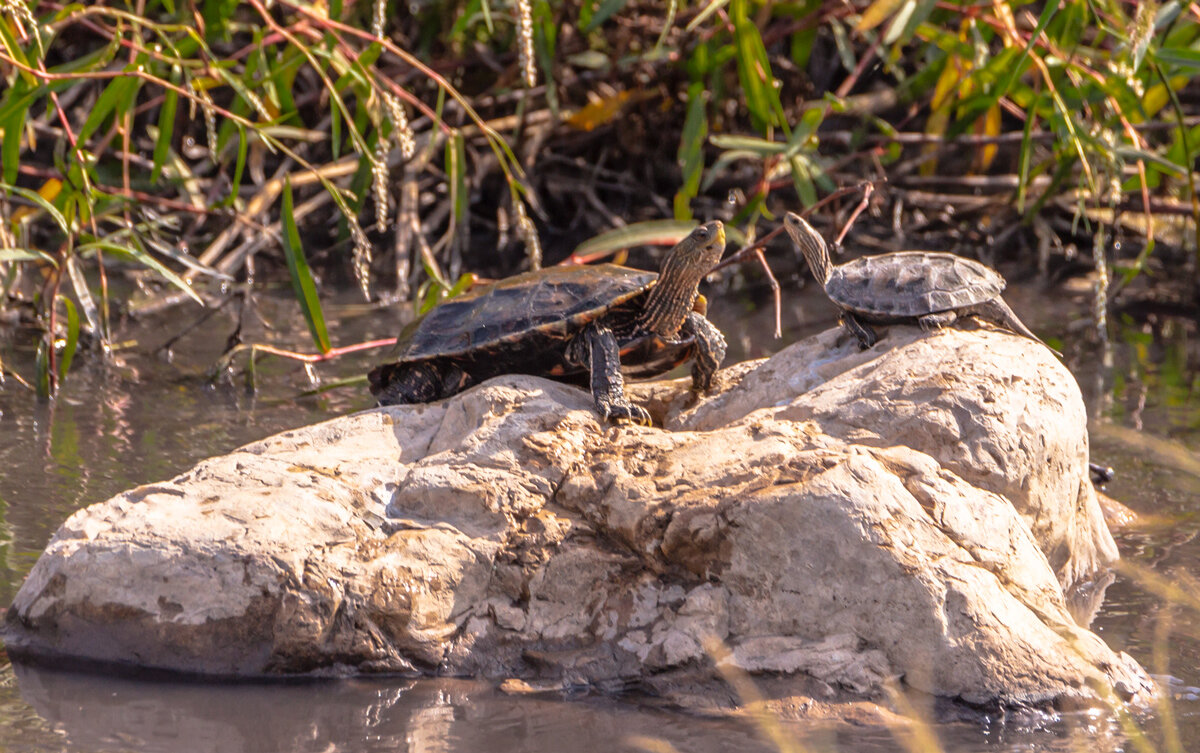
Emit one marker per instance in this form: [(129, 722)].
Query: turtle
[(932, 288), (587, 322)]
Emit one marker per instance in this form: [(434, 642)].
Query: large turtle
[(931, 288), (565, 321)]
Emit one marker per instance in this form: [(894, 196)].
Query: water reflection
[(93, 713)]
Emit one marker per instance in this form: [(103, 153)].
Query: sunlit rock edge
[(846, 519)]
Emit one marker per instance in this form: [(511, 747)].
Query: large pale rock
[(912, 511)]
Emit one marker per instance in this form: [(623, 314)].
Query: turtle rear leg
[(421, 382), (710, 350), (997, 312), (930, 322), (861, 330), (597, 347)]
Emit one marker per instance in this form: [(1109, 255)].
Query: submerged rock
[(847, 518)]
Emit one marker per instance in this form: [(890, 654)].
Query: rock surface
[(915, 511)]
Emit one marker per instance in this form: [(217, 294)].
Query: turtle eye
[(702, 232)]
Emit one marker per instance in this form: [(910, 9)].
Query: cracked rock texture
[(915, 511)]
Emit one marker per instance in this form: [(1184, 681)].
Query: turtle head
[(684, 266), (811, 244), (700, 250)]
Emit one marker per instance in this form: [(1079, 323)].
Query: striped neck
[(812, 245), (672, 297)]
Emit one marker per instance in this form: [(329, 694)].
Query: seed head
[(379, 175), (525, 42)]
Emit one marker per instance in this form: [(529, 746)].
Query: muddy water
[(152, 413)]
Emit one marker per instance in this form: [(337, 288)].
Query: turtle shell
[(911, 284), (534, 309)]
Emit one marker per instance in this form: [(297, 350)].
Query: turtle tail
[(998, 312)]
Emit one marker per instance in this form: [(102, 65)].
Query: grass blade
[(116, 93), (754, 69), (691, 150), (72, 337), (38, 199), (302, 279), (42, 369), (25, 254), (86, 302), (703, 15), (10, 149), (606, 10), (761, 147), (166, 128), (456, 173), (146, 260), (652, 232)]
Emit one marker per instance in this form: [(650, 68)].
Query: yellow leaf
[(1005, 15), (598, 112), (1157, 97), (948, 81), (988, 125), (877, 13), (934, 126), (49, 190)]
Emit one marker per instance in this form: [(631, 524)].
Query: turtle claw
[(627, 414)]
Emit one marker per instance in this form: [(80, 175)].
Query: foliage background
[(166, 152)]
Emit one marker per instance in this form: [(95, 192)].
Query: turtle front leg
[(603, 359), (861, 330), (710, 350)]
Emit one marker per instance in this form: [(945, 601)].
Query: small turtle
[(564, 321), (934, 289)]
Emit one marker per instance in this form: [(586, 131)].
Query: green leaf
[(42, 369), (723, 162), (1182, 57), (10, 150), (239, 165), (691, 150), (1025, 156), (753, 144), (703, 15), (754, 69), (37, 198), (487, 17), (302, 280), (166, 129), (146, 260), (1017, 67), (464, 283), (10, 43), (68, 353), (809, 122), (26, 254), (456, 173), (604, 11), (335, 132), (117, 92), (651, 232), (84, 296), (802, 181)]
